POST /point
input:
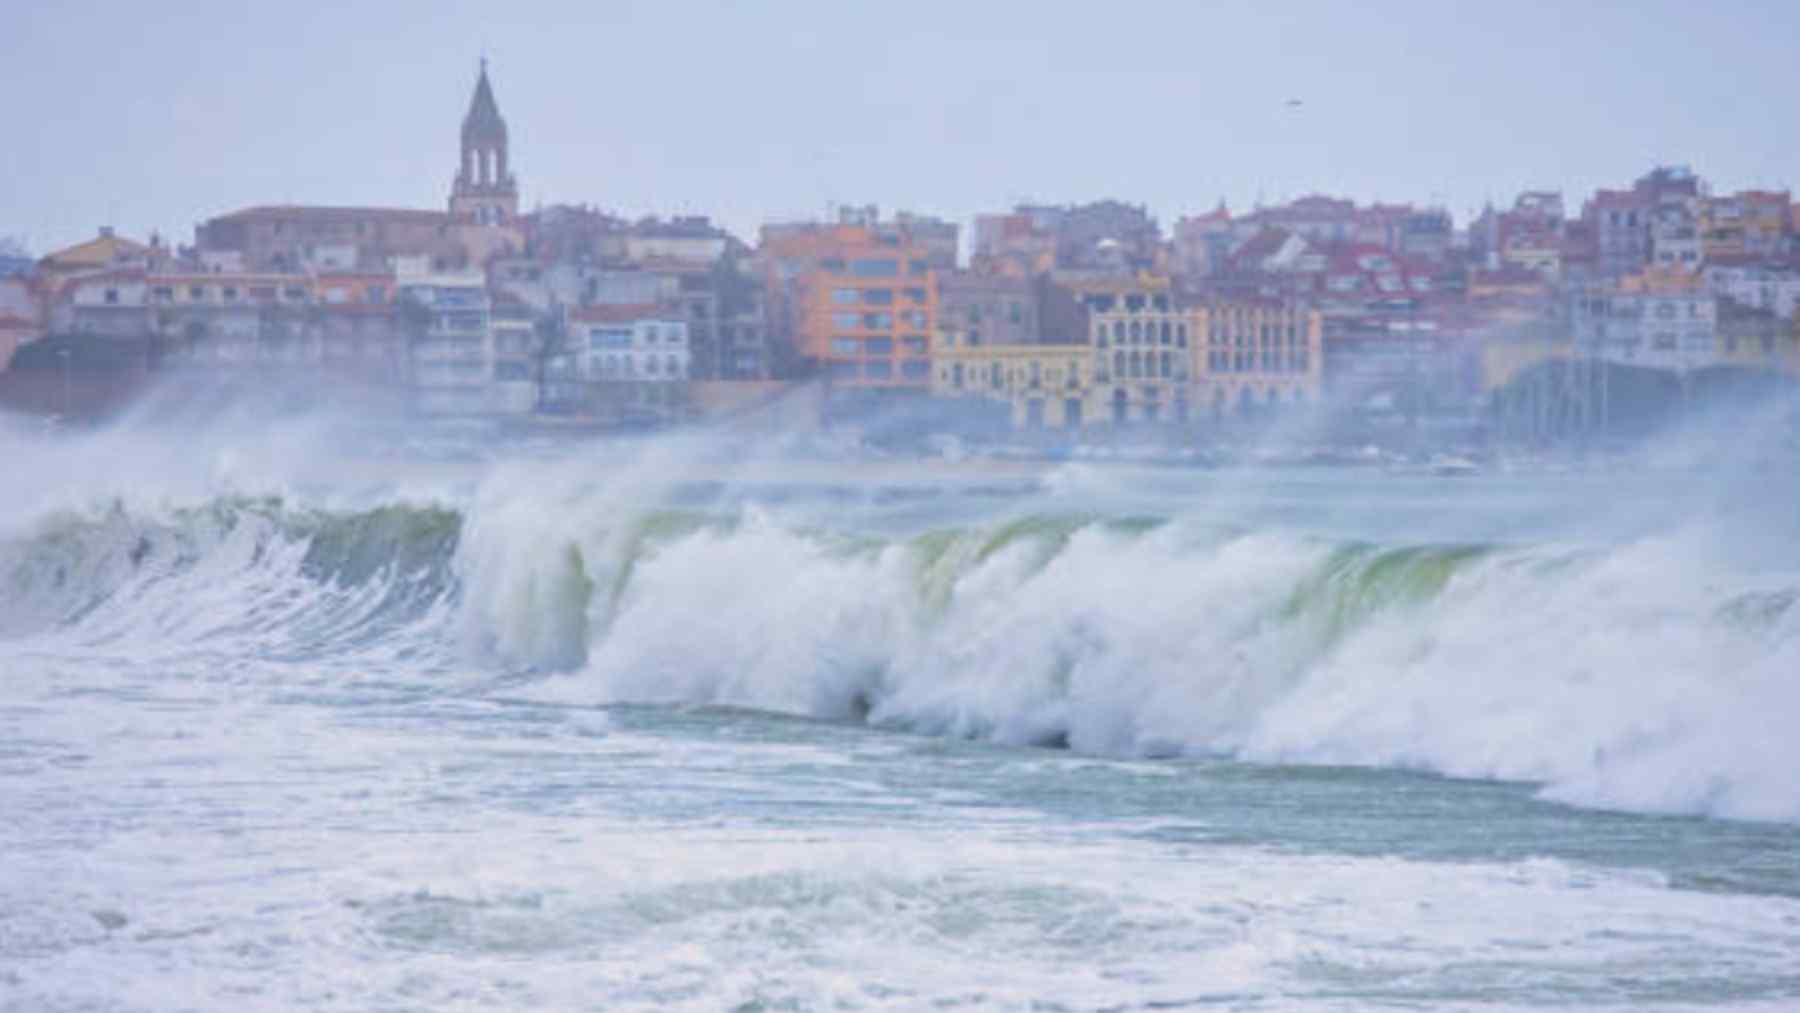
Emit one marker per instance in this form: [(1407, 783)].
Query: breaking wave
[(1637, 676)]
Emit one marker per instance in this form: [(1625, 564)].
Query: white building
[(457, 365), (1775, 288), (631, 344)]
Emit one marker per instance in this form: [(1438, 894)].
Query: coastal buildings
[(1078, 316), (859, 300)]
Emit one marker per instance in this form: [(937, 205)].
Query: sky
[(158, 117)]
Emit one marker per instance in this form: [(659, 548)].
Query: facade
[(860, 304), (447, 319), (1043, 386), (1652, 321), (1256, 356), (235, 319), (1769, 285), (990, 310), (627, 363), (1142, 352)]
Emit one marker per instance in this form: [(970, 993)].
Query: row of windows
[(881, 369), (1034, 374), (874, 296), (1269, 361), (613, 367), (1265, 335), (1141, 333), (874, 267), (879, 321), (1137, 365), (911, 344)]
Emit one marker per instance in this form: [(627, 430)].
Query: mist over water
[(314, 632)]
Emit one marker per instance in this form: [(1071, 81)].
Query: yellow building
[(1141, 349), (1045, 386), (1251, 355)]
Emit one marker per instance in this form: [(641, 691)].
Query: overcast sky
[(158, 116)]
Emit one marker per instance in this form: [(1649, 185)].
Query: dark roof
[(483, 122)]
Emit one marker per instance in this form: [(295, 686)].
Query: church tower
[(485, 191)]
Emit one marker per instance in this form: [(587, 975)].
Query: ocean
[(317, 717)]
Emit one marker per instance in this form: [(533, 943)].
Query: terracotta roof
[(97, 252), (325, 213)]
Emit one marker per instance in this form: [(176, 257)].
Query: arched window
[(1168, 363), (1168, 332), (1137, 332), (672, 367), (1180, 335), (1119, 363), (1137, 364), (1100, 335), (1119, 331)]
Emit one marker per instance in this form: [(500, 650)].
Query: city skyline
[(952, 113)]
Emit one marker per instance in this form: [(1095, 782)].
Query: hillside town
[(1536, 320)]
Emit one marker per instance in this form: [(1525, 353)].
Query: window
[(196, 293), (1137, 332), (1180, 335), (672, 366), (846, 346), (512, 371), (878, 296), (112, 297), (375, 294), (956, 375), (878, 369), (846, 321), (879, 346), (846, 296), (878, 321), (163, 294), (874, 267), (1100, 335), (914, 345), (230, 294), (918, 266), (914, 294)]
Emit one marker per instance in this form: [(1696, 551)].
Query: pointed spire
[(483, 121)]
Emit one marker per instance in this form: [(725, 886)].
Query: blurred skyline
[(753, 113)]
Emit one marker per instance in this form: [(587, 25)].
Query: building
[(446, 319), (1140, 342), (480, 222), (1623, 220), (234, 319), (860, 304), (1753, 223), (988, 309), (1754, 281), (1041, 385), (484, 191), (624, 362), (1254, 356), (1656, 320)]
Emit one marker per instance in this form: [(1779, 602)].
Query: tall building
[(485, 191)]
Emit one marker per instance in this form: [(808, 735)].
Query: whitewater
[(324, 714)]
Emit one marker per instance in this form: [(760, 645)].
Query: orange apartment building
[(861, 306)]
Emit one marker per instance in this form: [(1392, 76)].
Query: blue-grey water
[(290, 721)]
